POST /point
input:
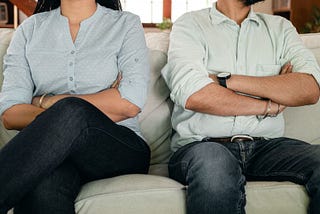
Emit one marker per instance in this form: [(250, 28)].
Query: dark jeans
[(43, 167), (216, 173)]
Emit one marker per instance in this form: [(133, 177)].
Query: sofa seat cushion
[(276, 198), (134, 194), (261, 194), (137, 194)]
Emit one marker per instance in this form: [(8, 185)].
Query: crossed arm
[(187, 76), (108, 101), (286, 89), (113, 102)]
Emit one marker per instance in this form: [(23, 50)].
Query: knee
[(71, 112), (71, 105)]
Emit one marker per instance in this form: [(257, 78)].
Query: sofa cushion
[(312, 42), (134, 194), (303, 122), (5, 37), (158, 195), (276, 198), (158, 40), (154, 119)]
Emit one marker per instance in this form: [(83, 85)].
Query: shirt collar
[(87, 21), (217, 17)]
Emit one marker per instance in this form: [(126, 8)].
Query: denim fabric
[(216, 173), (71, 143)]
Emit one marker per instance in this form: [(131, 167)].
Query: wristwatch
[(222, 78)]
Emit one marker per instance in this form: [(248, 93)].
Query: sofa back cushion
[(155, 121), (303, 122), (5, 38)]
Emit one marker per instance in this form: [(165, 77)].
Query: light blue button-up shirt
[(206, 42), (42, 58)]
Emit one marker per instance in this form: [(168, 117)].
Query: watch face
[(223, 75)]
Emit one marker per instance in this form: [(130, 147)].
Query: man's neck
[(234, 9), (78, 10)]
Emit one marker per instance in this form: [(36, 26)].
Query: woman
[(76, 125)]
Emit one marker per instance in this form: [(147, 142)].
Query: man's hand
[(275, 108), (286, 69), (214, 78)]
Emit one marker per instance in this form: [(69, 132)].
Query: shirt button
[(71, 63), (71, 78), (72, 52)]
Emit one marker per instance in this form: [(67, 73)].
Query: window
[(153, 11), (150, 11), (180, 7)]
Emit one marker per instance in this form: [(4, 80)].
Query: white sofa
[(156, 193)]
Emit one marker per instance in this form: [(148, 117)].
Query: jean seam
[(282, 173), (242, 199)]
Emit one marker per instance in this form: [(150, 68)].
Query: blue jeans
[(216, 173), (71, 143)]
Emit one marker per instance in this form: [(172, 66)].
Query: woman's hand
[(36, 101), (116, 83)]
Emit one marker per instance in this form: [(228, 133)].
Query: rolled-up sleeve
[(17, 85), (185, 72), (295, 52), (134, 64)]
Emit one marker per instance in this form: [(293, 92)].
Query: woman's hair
[(47, 5)]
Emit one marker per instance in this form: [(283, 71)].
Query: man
[(231, 73)]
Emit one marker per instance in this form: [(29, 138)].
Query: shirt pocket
[(268, 69)]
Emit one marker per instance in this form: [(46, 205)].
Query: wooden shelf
[(26, 6), (299, 12), (281, 10), (6, 26)]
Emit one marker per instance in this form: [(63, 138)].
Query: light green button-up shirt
[(206, 41)]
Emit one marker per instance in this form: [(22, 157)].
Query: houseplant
[(314, 26)]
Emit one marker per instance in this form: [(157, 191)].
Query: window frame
[(165, 14)]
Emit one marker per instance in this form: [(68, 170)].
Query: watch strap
[(223, 82)]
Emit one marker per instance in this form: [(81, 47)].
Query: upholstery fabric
[(134, 194), (155, 118), (5, 37)]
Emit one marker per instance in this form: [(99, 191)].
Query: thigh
[(213, 175), (283, 159), (110, 150), (203, 160), (55, 194)]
